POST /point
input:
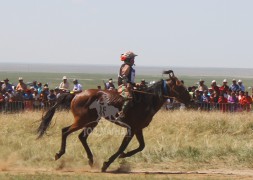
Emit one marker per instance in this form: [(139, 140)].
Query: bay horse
[(89, 106)]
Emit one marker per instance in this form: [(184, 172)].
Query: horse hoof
[(57, 156), (105, 166), (91, 162), (122, 155)]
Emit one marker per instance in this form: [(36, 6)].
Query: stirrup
[(121, 116)]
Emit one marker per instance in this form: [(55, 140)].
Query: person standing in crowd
[(19, 96), (205, 99), (198, 99), (109, 85), (28, 95), (34, 85), (77, 87), (36, 97), (241, 94), (246, 101), (234, 86), (57, 92), (28, 99), (224, 88), (229, 93), (51, 97), (241, 86), (64, 85), (10, 95), (215, 87), (43, 96), (233, 102), (223, 103), (40, 89), (192, 90), (202, 86), (6, 86), (21, 85)]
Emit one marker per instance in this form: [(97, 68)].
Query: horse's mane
[(153, 90), (156, 88)]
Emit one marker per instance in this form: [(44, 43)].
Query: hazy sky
[(181, 33)]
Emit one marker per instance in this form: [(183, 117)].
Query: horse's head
[(175, 88)]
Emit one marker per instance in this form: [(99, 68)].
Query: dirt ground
[(123, 171), (134, 174)]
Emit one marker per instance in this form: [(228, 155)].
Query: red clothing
[(223, 103), (246, 101), (216, 88), (224, 88)]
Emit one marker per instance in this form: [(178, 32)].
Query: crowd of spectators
[(34, 95), (226, 97)]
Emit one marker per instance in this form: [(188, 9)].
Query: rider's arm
[(125, 70)]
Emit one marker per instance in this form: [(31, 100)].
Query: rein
[(144, 92), (165, 91)]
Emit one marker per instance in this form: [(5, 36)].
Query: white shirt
[(77, 88), (64, 86)]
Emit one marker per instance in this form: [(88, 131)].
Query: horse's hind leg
[(122, 147), (139, 136), (65, 132), (83, 138)]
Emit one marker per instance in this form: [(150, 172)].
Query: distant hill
[(141, 70)]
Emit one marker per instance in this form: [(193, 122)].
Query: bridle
[(165, 87)]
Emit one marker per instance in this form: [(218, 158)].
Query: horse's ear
[(170, 73)]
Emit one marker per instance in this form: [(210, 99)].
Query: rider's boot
[(122, 113)]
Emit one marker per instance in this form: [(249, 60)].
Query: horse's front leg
[(128, 137), (83, 138), (139, 136), (65, 132)]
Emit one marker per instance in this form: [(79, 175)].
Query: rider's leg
[(124, 109), (126, 93)]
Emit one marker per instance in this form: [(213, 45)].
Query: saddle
[(111, 98)]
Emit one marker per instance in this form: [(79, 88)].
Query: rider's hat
[(127, 55)]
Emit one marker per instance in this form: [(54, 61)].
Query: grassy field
[(89, 80), (175, 141)]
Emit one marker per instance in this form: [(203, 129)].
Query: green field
[(89, 80)]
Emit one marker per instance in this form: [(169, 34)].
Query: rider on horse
[(126, 82)]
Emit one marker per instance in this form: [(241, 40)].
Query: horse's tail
[(63, 99)]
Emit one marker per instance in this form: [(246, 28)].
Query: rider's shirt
[(126, 72)]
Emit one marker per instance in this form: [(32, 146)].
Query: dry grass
[(175, 140)]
